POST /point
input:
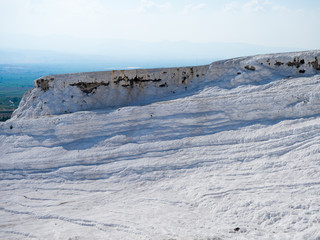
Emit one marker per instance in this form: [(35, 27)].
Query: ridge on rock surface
[(230, 150)]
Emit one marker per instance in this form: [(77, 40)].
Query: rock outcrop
[(65, 93)]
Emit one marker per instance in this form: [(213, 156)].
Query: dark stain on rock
[(296, 62), (163, 85), (278, 64), (251, 68), (119, 79), (140, 79), (184, 78), (136, 79), (315, 64), (89, 87), (44, 83)]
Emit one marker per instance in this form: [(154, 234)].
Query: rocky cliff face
[(65, 93)]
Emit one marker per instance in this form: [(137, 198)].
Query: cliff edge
[(66, 93)]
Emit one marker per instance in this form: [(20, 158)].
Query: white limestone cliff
[(65, 93), (230, 154)]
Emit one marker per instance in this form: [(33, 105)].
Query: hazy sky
[(279, 23)]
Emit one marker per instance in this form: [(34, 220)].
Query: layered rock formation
[(224, 151), (65, 93)]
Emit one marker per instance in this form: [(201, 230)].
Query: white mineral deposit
[(230, 150)]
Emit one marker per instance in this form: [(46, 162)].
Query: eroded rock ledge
[(65, 93)]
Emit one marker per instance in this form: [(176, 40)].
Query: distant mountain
[(117, 52)]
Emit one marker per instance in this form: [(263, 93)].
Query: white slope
[(237, 158)]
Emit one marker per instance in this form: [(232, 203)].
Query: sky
[(33, 24)]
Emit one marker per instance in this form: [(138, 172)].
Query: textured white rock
[(234, 157), (58, 94), (66, 93)]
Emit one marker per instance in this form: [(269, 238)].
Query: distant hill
[(117, 53)]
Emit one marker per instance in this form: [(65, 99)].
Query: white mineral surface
[(231, 154)]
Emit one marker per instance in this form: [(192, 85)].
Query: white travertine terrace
[(225, 151), (65, 93)]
